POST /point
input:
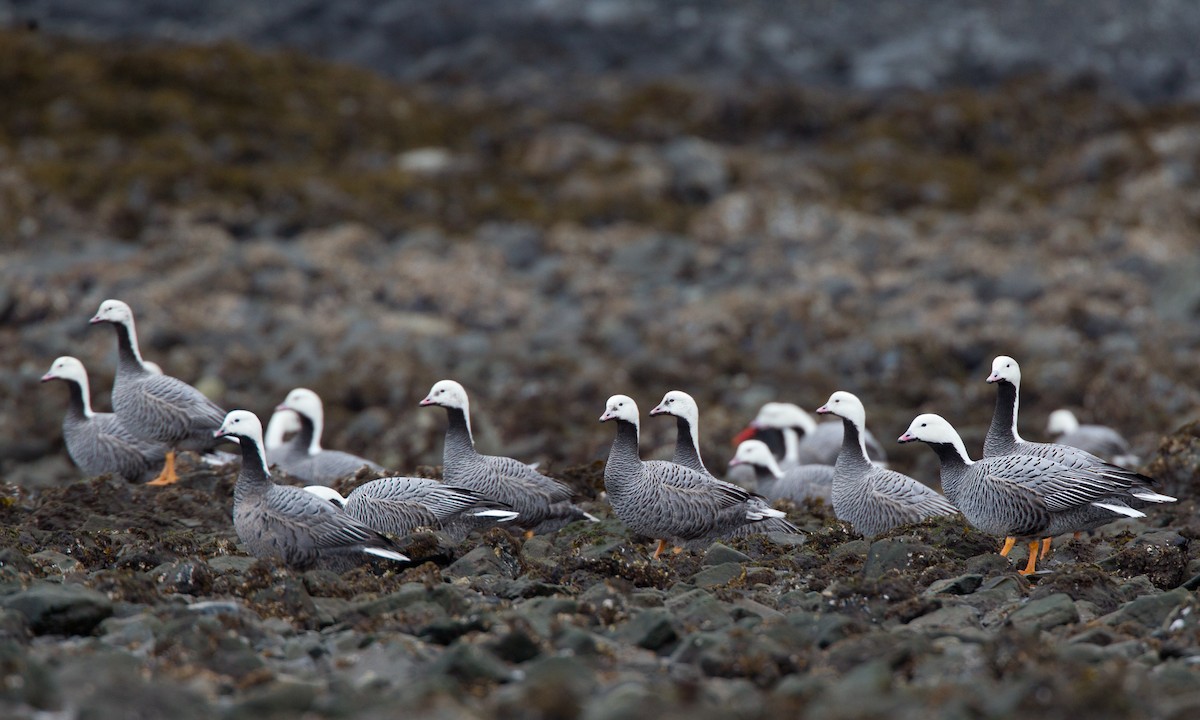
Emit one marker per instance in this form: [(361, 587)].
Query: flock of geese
[(1018, 490)]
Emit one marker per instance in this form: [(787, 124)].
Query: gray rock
[(718, 554), (653, 629), (1150, 611), (719, 575), (470, 663), (281, 698), (1045, 613), (60, 609), (960, 621), (894, 554), (484, 560), (189, 577), (697, 610), (626, 700), (961, 585)]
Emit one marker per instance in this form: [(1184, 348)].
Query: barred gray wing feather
[(906, 498), (516, 471), (120, 451), (1059, 486), (166, 408), (330, 465), (313, 523)]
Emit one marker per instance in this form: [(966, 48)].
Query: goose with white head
[(400, 505), (687, 453), (153, 406), (873, 499), (1100, 440), (796, 439), (1003, 439), (97, 441), (288, 523), (798, 484), (303, 457), (667, 501), (542, 504), (1024, 496)]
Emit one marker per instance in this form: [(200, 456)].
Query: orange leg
[(1008, 546), (662, 545), (1045, 548), (1078, 534), (676, 550), (528, 534), (1031, 566), (167, 476)]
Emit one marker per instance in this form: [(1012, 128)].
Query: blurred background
[(553, 201)]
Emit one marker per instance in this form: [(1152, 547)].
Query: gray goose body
[(687, 454), (302, 457), (1021, 496), (873, 499), (1101, 441), (288, 523), (667, 501), (799, 484), (543, 504), (400, 505), (98, 443), (1129, 487), (159, 407)]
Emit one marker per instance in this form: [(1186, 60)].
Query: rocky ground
[(551, 232), (115, 596)]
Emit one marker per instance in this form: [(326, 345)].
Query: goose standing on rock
[(801, 483), (873, 499), (303, 457), (399, 505), (1022, 496), (667, 501), (1003, 439), (97, 442), (687, 453), (285, 521), (543, 504), (156, 407), (1100, 440), (796, 439)]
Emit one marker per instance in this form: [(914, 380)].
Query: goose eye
[(924, 424)]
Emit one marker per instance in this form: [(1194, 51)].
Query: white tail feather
[(389, 554), (763, 513), (591, 517), (1121, 509), (1151, 496), (500, 515)]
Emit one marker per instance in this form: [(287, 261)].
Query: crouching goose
[(303, 457), (873, 499), (399, 505), (287, 522), (801, 483), (668, 501), (1100, 440), (97, 442), (542, 504)]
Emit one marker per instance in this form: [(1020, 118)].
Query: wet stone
[(719, 575), (1045, 613), (652, 629), (1150, 611), (719, 554), (961, 585), (60, 609)]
